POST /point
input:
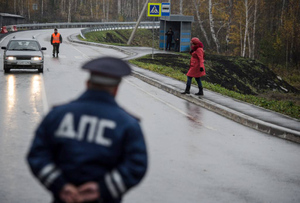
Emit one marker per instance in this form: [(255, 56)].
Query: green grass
[(143, 37)]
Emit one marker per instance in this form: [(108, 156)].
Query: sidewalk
[(247, 114)]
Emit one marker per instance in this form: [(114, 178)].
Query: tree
[(255, 17), (246, 27), (228, 30), (180, 6), (200, 22), (69, 11), (212, 25), (268, 30)]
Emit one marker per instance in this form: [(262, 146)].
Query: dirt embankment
[(242, 75)]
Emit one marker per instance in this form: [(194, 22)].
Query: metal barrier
[(120, 26), (100, 25), (89, 26)]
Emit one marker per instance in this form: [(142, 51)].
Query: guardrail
[(129, 25), (90, 26), (120, 26)]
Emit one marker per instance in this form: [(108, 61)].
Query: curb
[(262, 126), (236, 116)]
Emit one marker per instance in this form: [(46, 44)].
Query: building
[(10, 19)]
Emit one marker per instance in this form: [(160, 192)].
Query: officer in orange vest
[(56, 39)]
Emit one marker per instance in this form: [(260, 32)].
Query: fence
[(90, 26)]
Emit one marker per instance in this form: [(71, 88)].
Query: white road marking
[(170, 105), (5, 38), (84, 55)]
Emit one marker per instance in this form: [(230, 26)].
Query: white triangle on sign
[(154, 10)]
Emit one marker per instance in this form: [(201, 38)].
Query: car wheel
[(41, 69), (6, 70)]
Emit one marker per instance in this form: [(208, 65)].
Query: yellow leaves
[(277, 45)]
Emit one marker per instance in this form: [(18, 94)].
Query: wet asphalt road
[(195, 155)]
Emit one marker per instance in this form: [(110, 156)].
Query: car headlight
[(36, 58), (11, 58)]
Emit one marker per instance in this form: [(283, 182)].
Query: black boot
[(187, 90), (200, 91)]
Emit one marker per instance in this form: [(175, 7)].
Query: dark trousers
[(189, 81), (169, 45), (55, 48)]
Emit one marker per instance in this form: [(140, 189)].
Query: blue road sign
[(165, 9), (154, 9)]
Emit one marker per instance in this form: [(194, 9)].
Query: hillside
[(234, 73)]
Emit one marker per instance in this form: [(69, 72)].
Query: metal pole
[(165, 34), (137, 23), (153, 40)]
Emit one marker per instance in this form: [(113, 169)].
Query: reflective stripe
[(46, 170), (119, 181), (110, 186), (51, 178)]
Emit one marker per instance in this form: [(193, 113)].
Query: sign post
[(154, 10), (165, 12)]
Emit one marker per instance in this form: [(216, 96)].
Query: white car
[(23, 53)]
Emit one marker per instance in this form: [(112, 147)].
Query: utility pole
[(137, 23)]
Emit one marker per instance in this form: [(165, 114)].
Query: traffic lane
[(63, 76), (67, 48), (20, 93), (20, 110), (197, 155)]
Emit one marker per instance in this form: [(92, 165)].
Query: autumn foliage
[(268, 30)]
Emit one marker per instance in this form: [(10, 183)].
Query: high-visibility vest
[(56, 38)]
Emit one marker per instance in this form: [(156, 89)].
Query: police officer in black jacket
[(90, 150)]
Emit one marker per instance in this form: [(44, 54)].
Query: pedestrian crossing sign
[(154, 9)]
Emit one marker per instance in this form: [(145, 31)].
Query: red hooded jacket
[(197, 60)]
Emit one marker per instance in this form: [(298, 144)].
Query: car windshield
[(23, 45)]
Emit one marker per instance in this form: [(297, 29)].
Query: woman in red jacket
[(197, 68)]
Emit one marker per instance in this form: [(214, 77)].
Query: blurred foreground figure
[(90, 150)]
